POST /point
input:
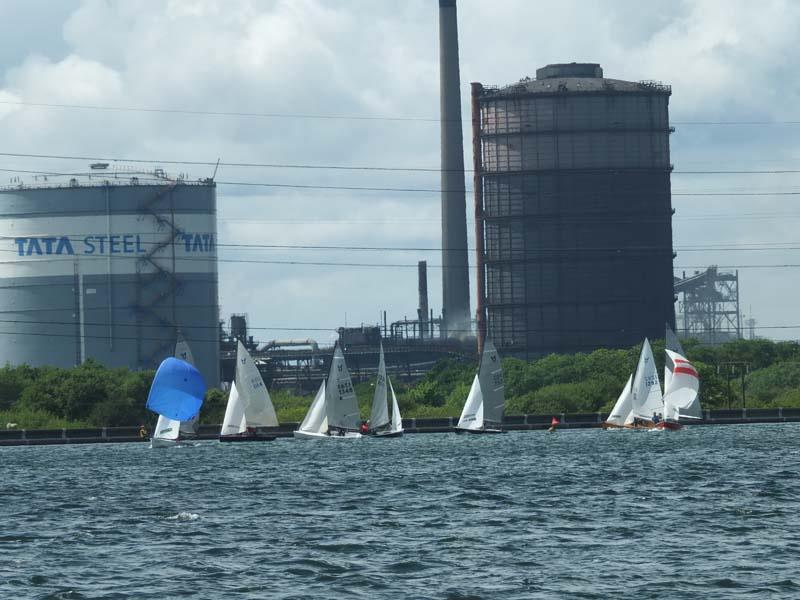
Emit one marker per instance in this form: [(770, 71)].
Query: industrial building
[(109, 266), (573, 211)]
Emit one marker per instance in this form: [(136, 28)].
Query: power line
[(212, 163), (315, 116), (354, 188)]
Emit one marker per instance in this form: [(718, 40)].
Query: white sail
[(234, 421), (681, 396), (397, 420), (341, 404), (183, 352), (316, 420), (258, 408), (492, 385), (380, 406), (472, 414), (166, 429), (671, 342), (622, 408), (646, 388)]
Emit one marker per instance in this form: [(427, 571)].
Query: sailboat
[(336, 400), (681, 398), (483, 410), (379, 422), (167, 431), (249, 405), (646, 399), (176, 394)]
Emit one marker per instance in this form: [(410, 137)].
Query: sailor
[(142, 432), (655, 418), (364, 428), (553, 424)]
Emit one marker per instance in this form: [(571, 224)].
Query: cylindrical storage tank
[(109, 269), (576, 211)]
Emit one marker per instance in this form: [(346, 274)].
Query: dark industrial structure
[(455, 265), (708, 306), (573, 211)]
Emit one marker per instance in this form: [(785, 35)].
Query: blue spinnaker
[(177, 391)]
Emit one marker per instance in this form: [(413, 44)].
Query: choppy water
[(708, 512)]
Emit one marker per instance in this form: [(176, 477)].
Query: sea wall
[(110, 435)]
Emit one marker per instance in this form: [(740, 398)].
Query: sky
[(727, 61)]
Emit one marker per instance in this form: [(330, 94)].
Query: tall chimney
[(422, 285), (455, 266)]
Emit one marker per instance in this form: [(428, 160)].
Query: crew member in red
[(553, 424), (364, 428)]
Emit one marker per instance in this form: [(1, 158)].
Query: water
[(708, 512)]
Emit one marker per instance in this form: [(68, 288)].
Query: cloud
[(725, 60)]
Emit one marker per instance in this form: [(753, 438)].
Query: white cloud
[(725, 60)]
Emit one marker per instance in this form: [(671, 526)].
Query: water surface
[(708, 512)]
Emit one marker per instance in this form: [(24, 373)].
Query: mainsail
[(258, 408), (341, 404), (646, 389), (380, 406), (183, 352), (166, 429), (316, 420), (671, 342), (492, 385), (234, 422), (681, 396)]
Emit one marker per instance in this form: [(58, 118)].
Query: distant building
[(109, 266), (573, 211)]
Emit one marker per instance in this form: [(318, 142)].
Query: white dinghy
[(379, 423), (681, 396), (483, 409), (342, 418), (249, 395), (169, 432), (646, 394)]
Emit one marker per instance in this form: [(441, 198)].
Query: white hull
[(307, 435), (162, 443)]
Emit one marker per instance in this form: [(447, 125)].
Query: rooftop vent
[(592, 70)]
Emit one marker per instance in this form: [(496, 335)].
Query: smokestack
[(455, 266), (422, 311)]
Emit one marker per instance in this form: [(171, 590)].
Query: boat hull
[(669, 426), (388, 434), (459, 430), (226, 439), (162, 443), (307, 435)]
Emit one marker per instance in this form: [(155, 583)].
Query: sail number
[(256, 382), (497, 378), (345, 387)]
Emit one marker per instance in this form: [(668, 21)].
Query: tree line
[(758, 373)]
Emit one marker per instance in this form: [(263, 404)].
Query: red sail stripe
[(685, 371), (681, 360)]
